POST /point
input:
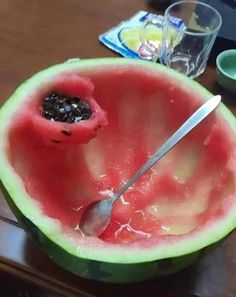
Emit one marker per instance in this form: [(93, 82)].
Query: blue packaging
[(125, 37)]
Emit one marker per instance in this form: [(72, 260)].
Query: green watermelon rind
[(98, 270), (120, 263)]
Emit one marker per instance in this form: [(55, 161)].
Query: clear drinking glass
[(189, 30)]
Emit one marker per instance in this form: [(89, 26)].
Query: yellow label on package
[(125, 38)]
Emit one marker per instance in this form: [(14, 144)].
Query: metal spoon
[(97, 215)]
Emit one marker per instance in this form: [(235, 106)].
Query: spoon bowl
[(97, 215)]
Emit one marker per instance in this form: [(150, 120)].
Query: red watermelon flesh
[(62, 133), (192, 185)]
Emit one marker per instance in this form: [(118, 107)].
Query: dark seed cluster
[(63, 108)]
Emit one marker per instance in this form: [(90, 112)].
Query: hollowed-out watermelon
[(184, 204)]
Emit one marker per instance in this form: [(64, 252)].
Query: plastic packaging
[(125, 38)]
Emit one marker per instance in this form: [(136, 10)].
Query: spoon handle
[(201, 113)]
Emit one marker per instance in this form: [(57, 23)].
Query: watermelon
[(51, 170)]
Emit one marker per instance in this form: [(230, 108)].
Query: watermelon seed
[(55, 95), (47, 105), (56, 141), (67, 108), (62, 110), (78, 119), (66, 132)]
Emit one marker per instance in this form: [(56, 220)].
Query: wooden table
[(34, 35)]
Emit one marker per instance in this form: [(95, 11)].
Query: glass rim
[(202, 4)]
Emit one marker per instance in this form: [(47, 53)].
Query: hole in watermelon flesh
[(183, 191), (57, 131), (63, 108)]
